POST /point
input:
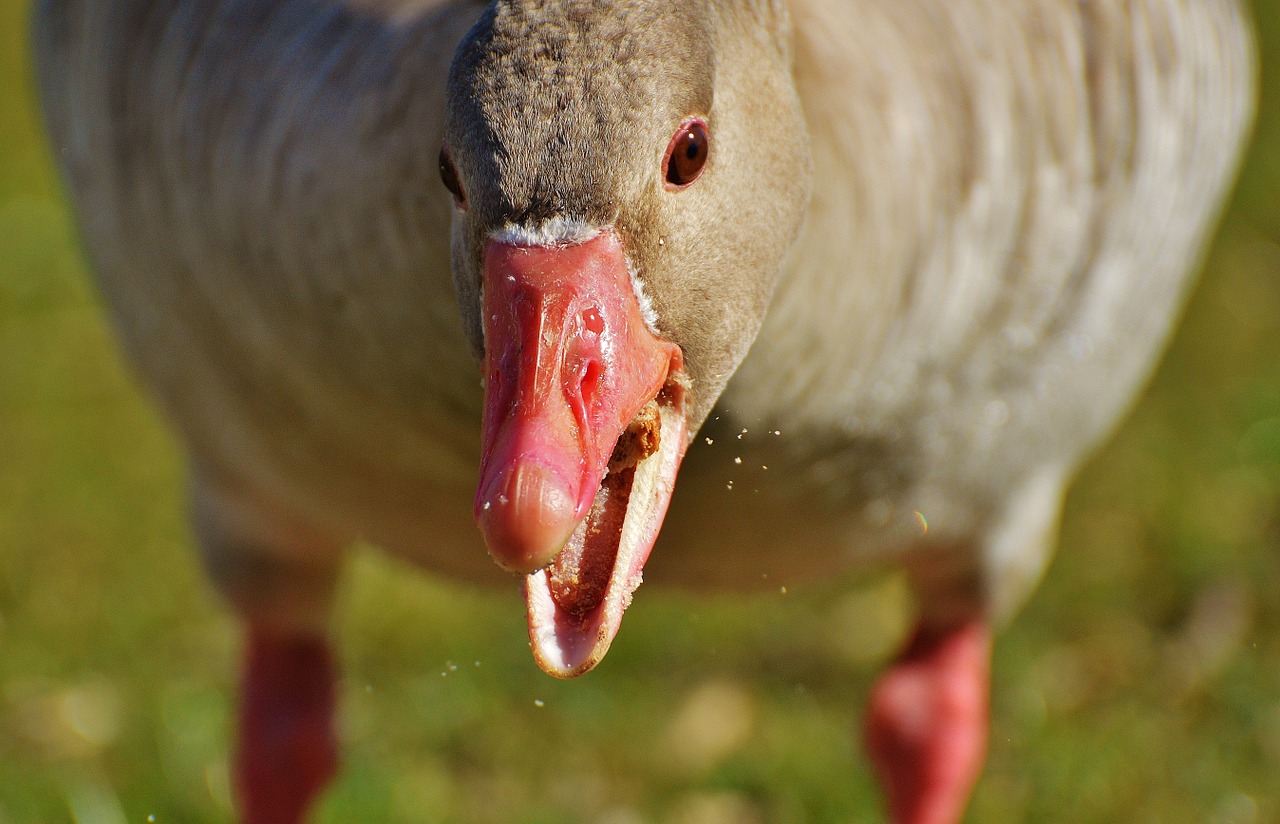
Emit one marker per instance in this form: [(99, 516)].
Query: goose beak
[(584, 431)]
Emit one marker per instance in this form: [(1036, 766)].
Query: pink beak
[(584, 431), (569, 362)]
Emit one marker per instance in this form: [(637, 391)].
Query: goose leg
[(926, 726), (279, 574), (287, 753), (927, 716)]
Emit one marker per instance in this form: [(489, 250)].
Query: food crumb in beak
[(640, 440)]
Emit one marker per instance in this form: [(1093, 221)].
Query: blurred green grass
[(1142, 684)]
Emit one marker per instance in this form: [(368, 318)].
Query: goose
[(769, 289)]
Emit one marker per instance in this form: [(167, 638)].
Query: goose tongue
[(583, 434)]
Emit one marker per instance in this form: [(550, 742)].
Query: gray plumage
[(1002, 203)]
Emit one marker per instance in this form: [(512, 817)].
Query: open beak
[(584, 431)]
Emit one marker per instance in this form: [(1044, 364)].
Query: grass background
[(1142, 684)]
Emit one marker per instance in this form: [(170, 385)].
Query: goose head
[(627, 178)]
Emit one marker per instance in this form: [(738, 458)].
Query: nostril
[(593, 321), (584, 365), (582, 373), (590, 381)]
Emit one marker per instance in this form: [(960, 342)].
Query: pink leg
[(926, 726), (287, 752)]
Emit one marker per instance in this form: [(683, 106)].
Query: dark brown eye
[(687, 154), (449, 176)]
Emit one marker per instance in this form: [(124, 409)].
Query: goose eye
[(687, 154), (449, 176)]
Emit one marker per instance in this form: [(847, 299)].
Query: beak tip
[(526, 516)]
